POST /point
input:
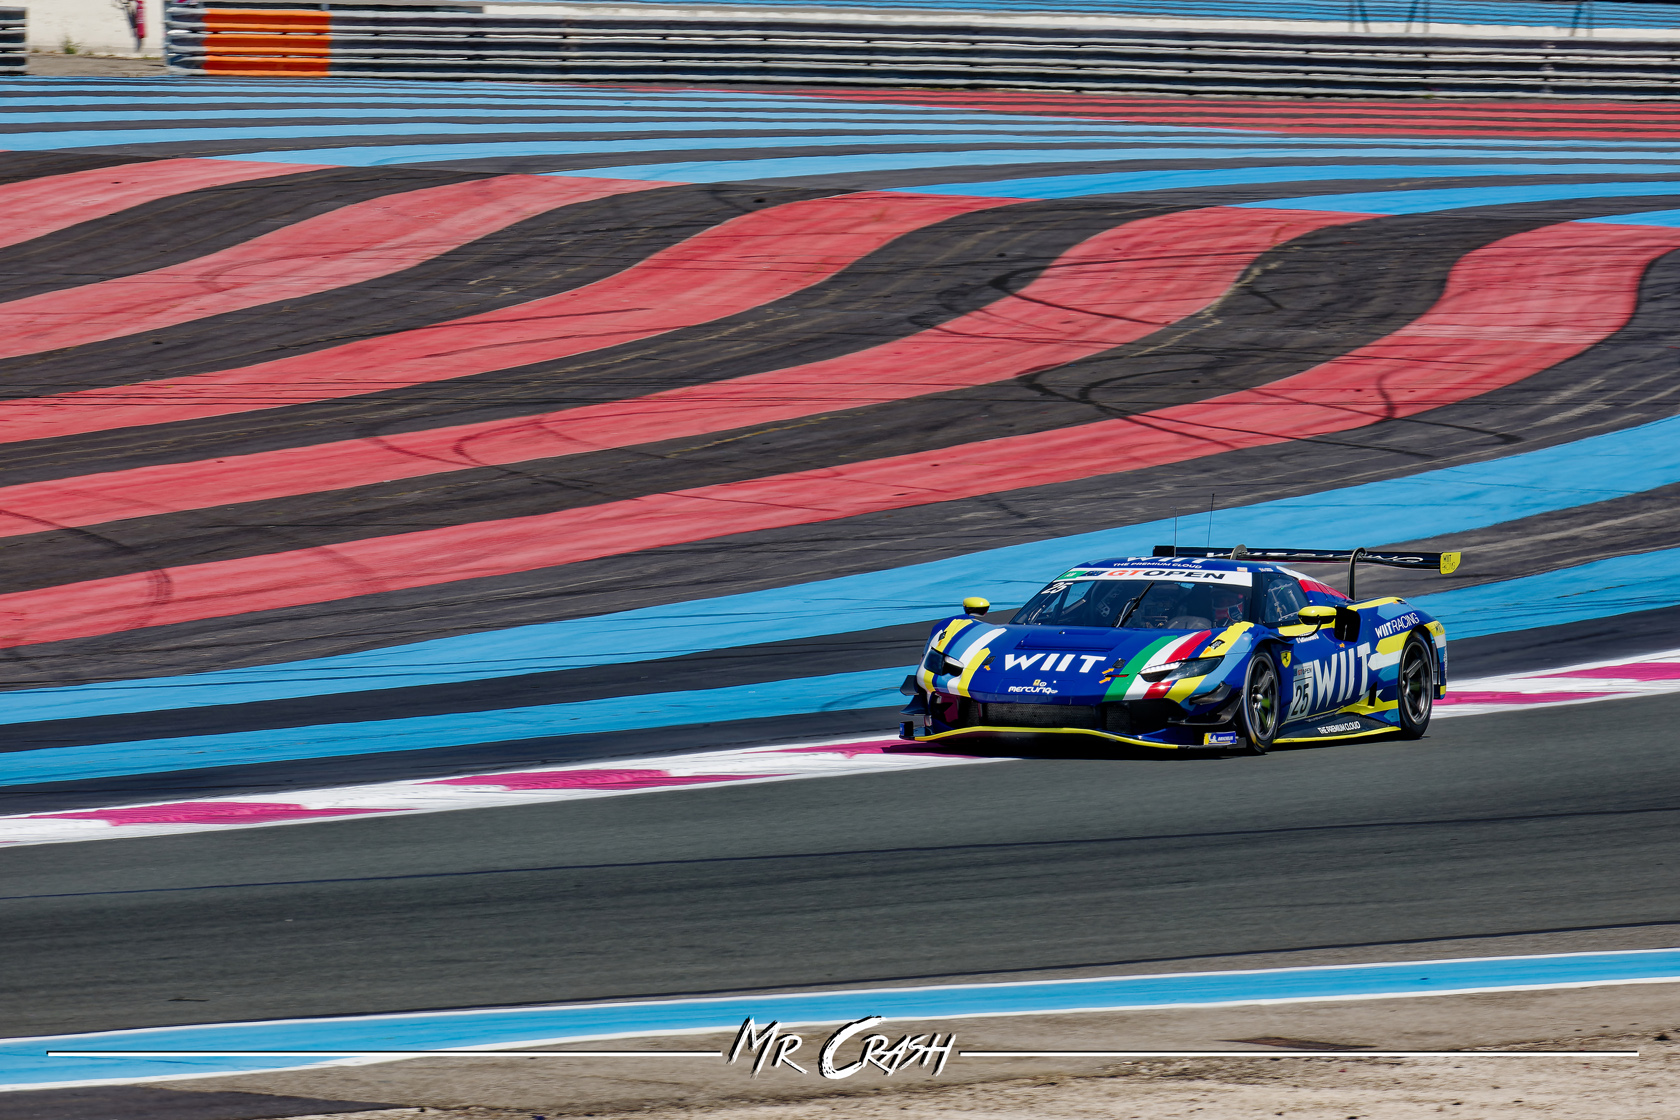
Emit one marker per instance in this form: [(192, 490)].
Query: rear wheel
[(1262, 704), (1417, 688)]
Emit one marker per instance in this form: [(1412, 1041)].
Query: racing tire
[(1416, 691), (1262, 704)]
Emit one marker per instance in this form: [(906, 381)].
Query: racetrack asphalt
[(1510, 827)]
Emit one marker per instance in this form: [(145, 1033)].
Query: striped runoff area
[(488, 428)]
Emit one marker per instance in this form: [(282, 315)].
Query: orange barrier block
[(257, 42)]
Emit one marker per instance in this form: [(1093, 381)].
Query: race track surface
[(1503, 829), (366, 432)]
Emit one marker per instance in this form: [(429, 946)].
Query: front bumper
[(1152, 723)]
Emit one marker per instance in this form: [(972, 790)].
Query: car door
[(1321, 669)]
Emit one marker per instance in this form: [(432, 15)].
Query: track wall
[(870, 47)]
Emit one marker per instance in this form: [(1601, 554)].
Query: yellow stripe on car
[(973, 658)]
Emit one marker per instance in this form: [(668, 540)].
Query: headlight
[(1178, 670), (937, 662)]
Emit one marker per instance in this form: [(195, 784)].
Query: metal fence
[(14, 50), (836, 47)]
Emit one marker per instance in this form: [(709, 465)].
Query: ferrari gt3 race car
[(1190, 648)]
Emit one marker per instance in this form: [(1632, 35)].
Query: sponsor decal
[(1220, 739), (1053, 664), (1181, 575), (1337, 728), (1041, 687), (1395, 625), (1329, 681)]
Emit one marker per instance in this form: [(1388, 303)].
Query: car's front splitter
[(996, 734)]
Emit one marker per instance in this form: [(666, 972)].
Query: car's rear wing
[(1444, 562)]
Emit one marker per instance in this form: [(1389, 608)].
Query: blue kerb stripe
[(1080, 186), (1457, 198), (23, 1061), (1648, 218), (1455, 499)]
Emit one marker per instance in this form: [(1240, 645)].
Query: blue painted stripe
[(1669, 218), (1457, 198), (1455, 499), (1117, 182), (1080, 186), (1602, 589), (23, 1061), (836, 692), (1620, 585), (708, 171)]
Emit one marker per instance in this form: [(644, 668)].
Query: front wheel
[(1417, 688), (1262, 704)]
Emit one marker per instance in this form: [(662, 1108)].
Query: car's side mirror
[(976, 606), (1317, 617)]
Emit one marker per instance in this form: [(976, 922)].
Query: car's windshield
[(1144, 604)]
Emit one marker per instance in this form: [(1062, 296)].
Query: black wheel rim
[(1263, 701), (1416, 695)]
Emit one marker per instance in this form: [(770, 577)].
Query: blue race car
[(1190, 648)]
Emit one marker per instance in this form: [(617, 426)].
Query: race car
[(1214, 648)]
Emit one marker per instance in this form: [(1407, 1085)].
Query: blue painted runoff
[(835, 692), (1619, 585), (1616, 585), (24, 1061), (1458, 198), (1669, 218), (789, 167), (1454, 499), (1081, 186), (382, 155)]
